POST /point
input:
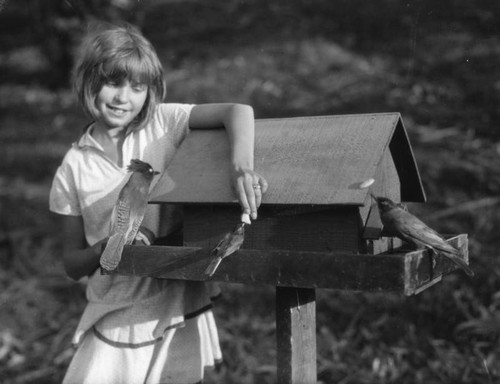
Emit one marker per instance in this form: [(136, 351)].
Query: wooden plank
[(307, 160), (298, 228), (276, 268), (402, 272), (296, 335), (424, 269)]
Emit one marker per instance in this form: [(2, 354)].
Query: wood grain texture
[(318, 228), (296, 335), (424, 269), (400, 272), (306, 160)]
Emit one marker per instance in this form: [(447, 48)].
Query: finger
[(257, 189), (148, 233), (258, 197), (142, 237), (242, 196), (260, 187), (251, 188), (253, 193), (263, 185)]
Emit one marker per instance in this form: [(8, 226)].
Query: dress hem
[(120, 344)]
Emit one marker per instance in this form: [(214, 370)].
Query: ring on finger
[(256, 186)]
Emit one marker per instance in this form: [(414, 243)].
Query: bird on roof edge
[(230, 243), (399, 222), (128, 212)]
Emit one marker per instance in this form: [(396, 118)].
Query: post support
[(296, 335)]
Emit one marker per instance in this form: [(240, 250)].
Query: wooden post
[(296, 335)]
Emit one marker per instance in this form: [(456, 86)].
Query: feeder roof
[(306, 160)]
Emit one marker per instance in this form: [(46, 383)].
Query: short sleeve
[(63, 198), (175, 120)]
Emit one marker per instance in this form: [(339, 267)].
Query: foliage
[(436, 63)]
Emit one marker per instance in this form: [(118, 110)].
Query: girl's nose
[(122, 93)]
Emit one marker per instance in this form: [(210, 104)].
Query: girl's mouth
[(117, 110)]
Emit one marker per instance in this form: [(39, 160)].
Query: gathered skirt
[(179, 357)]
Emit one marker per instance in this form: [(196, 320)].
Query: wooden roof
[(306, 160)]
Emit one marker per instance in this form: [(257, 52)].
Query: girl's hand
[(249, 186), (98, 247), (144, 236)]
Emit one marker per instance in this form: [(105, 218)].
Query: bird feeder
[(317, 226)]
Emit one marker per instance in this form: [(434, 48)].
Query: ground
[(436, 64)]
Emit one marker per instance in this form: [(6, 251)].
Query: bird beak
[(156, 173)]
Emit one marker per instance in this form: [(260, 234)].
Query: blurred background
[(437, 63)]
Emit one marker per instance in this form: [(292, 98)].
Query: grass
[(289, 59)]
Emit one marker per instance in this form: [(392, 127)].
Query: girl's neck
[(111, 133), (111, 140)]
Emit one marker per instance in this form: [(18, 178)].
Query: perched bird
[(229, 244), (128, 212), (399, 222)]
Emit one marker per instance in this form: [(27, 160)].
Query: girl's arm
[(238, 119), (79, 259)]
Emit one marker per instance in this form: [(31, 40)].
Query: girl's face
[(119, 104)]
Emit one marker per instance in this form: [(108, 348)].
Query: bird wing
[(235, 243), (135, 222), (135, 201), (230, 243), (416, 231), (409, 228), (112, 254), (221, 245), (420, 234), (120, 216), (212, 267)]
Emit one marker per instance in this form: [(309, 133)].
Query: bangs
[(132, 67)]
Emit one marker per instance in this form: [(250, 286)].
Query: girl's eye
[(111, 83), (139, 87)]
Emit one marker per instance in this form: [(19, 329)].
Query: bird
[(128, 212), (230, 243), (399, 222)]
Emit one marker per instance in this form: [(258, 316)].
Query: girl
[(137, 330)]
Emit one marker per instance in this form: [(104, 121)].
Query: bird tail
[(112, 254), (212, 267), (460, 262)]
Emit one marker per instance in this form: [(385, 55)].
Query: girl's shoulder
[(171, 118), (174, 112), (76, 154), (73, 155)]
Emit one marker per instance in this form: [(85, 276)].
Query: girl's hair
[(112, 53)]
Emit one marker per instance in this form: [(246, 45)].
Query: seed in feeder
[(366, 183)]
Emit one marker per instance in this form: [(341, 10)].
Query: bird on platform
[(229, 244), (399, 222), (128, 212)]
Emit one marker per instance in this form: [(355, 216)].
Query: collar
[(86, 141)]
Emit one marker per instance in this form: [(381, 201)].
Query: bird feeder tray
[(404, 271)]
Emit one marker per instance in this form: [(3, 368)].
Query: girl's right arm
[(80, 259)]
